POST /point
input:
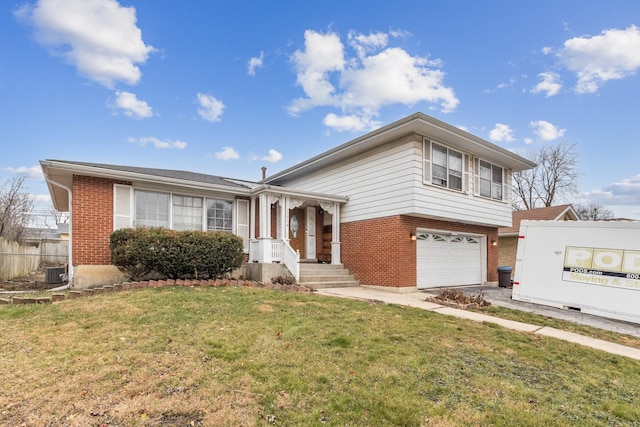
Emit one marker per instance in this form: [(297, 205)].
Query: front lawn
[(248, 356)]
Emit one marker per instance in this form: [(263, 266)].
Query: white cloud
[(547, 50), (273, 156), (361, 84), (132, 106), (254, 63), (210, 108), (546, 131), (158, 143), (349, 122), (99, 37), (32, 172), (501, 133), (612, 55), (528, 141), (227, 153), (625, 193), (550, 84)]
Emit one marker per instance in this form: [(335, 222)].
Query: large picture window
[(490, 180), (152, 209), (187, 213), (219, 215), (446, 169), (180, 212)]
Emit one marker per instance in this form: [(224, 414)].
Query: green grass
[(246, 356), (565, 325)]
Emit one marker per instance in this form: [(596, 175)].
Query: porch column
[(285, 219), (252, 219), (265, 229), (335, 234)]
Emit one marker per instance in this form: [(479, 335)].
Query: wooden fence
[(18, 261)]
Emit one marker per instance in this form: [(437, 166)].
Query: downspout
[(71, 269)]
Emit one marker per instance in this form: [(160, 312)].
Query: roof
[(416, 123), (59, 176), (551, 213)]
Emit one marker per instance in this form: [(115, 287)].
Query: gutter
[(70, 207)]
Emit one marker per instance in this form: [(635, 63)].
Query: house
[(417, 203), (508, 236)]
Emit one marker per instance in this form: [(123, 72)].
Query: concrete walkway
[(416, 299)]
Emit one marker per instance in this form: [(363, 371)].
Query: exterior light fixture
[(412, 235), (493, 242)]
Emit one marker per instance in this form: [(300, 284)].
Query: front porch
[(290, 228)]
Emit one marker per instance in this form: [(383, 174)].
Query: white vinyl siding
[(390, 180), (122, 206)]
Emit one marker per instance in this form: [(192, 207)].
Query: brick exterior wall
[(92, 220), (507, 252), (380, 252)]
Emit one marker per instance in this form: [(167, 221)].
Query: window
[(152, 209), (219, 215), (490, 180), (446, 169), (187, 213)]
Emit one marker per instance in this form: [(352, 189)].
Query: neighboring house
[(508, 241), (415, 203)]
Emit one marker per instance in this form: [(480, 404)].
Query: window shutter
[(242, 221), (426, 160), (507, 185), (122, 206), (476, 176), (465, 173)]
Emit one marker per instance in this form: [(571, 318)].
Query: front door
[(297, 224)]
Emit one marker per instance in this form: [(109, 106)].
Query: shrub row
[(146, 252)]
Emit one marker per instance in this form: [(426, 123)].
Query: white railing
[(291, 259), (276, 251), (254, 251), (280, 252)]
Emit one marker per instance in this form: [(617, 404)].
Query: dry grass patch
[(246, 356)]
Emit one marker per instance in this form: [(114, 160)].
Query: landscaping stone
[(75, 294), (87, 292), (5, 301), (58, 297), (171, 282), (43, 300), (98, 291), (118, 287), (107, 288), (179, 282)]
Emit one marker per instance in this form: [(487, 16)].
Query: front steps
[(321, 276)]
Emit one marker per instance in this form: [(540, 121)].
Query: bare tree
[(15, 209), (554, 177), (593, 212)]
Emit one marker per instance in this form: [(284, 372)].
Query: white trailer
[(590, 266)]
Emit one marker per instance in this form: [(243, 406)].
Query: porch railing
[(280, 252), (291, 258)]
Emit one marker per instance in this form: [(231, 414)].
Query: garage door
[(446, 260)]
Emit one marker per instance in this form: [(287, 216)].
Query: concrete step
[(321, 276)]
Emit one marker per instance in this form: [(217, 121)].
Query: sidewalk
[(416, 299)]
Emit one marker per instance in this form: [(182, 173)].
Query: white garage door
[(445, 260)]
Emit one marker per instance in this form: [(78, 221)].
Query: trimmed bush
[(140, 252)]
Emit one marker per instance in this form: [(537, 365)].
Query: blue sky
[(224, 87)]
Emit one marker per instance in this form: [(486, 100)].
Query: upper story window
[(446, 169), (444, 166), (490, 180)]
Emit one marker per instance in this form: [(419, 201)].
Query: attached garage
[(449, 259)]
